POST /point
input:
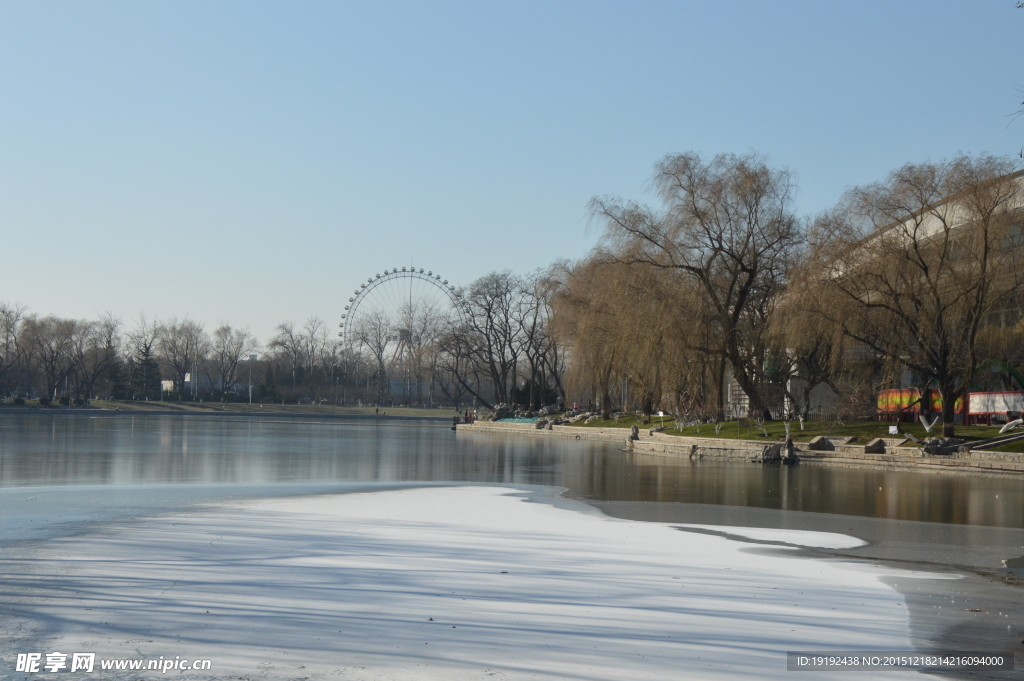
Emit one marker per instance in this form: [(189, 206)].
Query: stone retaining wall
[(659, 443), (875, 454), (567, 432), (911, 458), (699, 448)]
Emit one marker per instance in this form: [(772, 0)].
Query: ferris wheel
[(398, 296)]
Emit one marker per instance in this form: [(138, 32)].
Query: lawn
[(864, 431)]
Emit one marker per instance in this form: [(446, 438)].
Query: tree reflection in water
[(74, 450)]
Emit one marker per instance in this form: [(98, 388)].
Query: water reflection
[(74, 450)]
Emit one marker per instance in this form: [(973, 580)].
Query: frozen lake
[(40, 450), (147, 536)]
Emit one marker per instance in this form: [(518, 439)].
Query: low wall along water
[(883, 452)]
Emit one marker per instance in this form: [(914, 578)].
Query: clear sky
[(251, 162)]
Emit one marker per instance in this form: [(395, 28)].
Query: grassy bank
[(864, 431)]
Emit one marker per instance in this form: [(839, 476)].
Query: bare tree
[(635, 336), (52, 340), (912, 267), (727, 225), (11, 352), (553, 353), (183, 346), (589, 320), (486, 342), (144, 366), (289, 344), (374, 333), (96, 347), (540, 347), (807, 349), (314, 341), (420, 327), (229, 347)]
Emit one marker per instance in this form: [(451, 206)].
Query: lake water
[(66, 450)]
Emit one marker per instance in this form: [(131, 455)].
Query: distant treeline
[(495, 349)]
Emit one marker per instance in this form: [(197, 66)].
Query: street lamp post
[(252, 358)]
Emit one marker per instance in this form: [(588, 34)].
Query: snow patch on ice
[(441, 583)]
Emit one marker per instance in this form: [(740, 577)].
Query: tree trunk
[(806, 411), (948, 412), (647, 408), (720, 407)]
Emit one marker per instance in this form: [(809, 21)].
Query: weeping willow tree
[(912, 268), (809, 349), (586, 319), (633, 333), (726, 235)]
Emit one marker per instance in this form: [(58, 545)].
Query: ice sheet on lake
[(438, 583)]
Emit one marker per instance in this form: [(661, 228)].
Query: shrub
[(19, 401), (79, 402), (65, 401), (44, 401)]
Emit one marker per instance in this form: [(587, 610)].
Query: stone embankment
[(646, 442), (893, 453), (881, 452), (568, 432)]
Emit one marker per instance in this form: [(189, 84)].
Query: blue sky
[(252, 162)]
